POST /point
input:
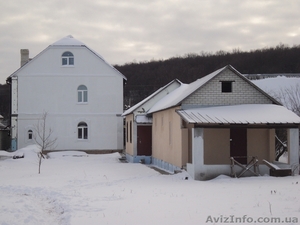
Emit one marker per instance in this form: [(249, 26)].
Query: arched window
[(82, 93), (29, 133), (82, 131), (67, 58)]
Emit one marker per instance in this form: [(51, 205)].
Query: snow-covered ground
[(76, 188)]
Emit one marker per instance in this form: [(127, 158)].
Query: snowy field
[(76, 188)]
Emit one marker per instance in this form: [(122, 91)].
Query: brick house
[(203, 125)]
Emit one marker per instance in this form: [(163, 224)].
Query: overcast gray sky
[(141, 30)]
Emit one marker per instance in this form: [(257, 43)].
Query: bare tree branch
[(43, 138), (290, 98)]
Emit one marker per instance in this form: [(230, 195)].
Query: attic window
[(67, 59), (227, 86)]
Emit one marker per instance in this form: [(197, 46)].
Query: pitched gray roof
[(139, 104), (70, 41), (248, 114), (182, 92)]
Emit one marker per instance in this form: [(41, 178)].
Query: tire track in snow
[(26, 205)]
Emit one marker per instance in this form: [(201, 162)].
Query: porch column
[(293, 143), (198, 157)]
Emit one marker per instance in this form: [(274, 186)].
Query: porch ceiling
[(248, 114)]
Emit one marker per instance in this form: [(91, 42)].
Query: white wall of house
[(44, 85)]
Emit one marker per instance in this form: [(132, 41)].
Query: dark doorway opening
[(238, 144)]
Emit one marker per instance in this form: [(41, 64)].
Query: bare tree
[(289, 97), (43, 138)]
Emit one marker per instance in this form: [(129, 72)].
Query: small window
[(82, 93), (29, 134), (67, 59), (227, 86), (82, 131)]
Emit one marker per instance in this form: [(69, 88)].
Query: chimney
[(24, 56)]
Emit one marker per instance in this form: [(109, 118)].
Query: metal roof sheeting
[(248, 114)]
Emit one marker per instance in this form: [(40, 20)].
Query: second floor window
[(67, 59), (82, 94)]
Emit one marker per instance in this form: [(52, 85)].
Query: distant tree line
[(143, 78)]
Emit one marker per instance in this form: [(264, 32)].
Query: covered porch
[(241, 132)]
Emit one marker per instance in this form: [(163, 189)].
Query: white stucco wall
[(44, 85)]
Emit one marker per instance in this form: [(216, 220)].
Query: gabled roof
[(248, 114), (141, 103), (185, 90), (68, 41)]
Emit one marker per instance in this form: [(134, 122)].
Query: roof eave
[(246, 125), (141, 103), (274, 101)]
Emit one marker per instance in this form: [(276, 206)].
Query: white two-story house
[(80, 92)]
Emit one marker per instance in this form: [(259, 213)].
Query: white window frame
[(82, 94), (82, 131), (67, 59), (30, 134)]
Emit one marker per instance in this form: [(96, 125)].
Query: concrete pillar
[(293, 143), (198, 157)]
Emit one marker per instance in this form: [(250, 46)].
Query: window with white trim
[(82, 131), (30, 133), (82, 94), (67, 59)]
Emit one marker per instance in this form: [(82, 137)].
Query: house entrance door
[(144, 140), (238, 144)]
